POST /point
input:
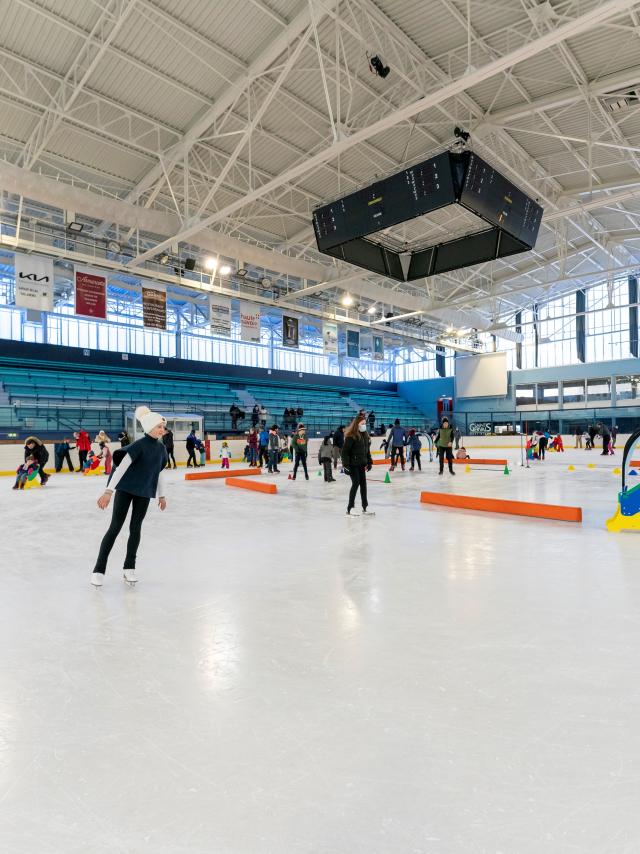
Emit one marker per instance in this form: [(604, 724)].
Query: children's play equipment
[(627, 515)]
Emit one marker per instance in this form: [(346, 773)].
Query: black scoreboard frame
[(449, 178)]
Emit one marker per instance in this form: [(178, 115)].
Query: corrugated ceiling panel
[(38, 38)]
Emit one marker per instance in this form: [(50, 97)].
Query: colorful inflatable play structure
[(627, 515)]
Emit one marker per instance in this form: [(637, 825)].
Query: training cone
[(387, 479), (633, 473), (617, 471), (319, 473), (591, 465), (289, 478), (467, 469), (506, 470), (571, 468)]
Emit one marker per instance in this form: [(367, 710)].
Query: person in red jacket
[(83, 444), (252, 441)]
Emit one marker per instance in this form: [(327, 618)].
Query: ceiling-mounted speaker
[(190, 264)]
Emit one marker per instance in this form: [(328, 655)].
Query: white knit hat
[(149, 419)]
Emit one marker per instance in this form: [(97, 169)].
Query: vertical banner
[(250, 322), (220, 315), (91, 294), (330, 338), (378, 348), (154, 307), (353, 343), (366, 345), (34, 282), (290, 331)]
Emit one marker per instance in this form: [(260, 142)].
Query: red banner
[(91, 294)]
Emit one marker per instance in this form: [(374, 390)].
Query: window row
[(592, 390)]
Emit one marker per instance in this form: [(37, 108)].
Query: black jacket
[(38, 452), (356, 452), (167, 440), (338, 439), (192, 442)]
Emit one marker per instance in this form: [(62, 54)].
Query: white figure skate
[(130, 577)]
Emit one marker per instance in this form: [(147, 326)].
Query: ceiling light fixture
[(371, 310), (225, 270), (211, 264), (163, 259), (241, 273), (347, 300), (76, 227)]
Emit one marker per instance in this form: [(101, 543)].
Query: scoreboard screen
[(419, 190), (493, 197)]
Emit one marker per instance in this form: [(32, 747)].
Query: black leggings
[(358, 479), (169, 458), (326, 464), (397, 455), (121, 503), (301, 458), (441, 455), (415, 458), (61, 458)]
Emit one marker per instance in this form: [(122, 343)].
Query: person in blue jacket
[(263, 447), (192, 445), (398, 438), (415, 446), (136, 480)]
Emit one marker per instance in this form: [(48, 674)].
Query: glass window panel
[(573, 391), (525, 395), (627, 387), (548, 393), (599, 389)]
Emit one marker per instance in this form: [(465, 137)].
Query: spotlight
[(360, 309), (163, 259), (225, 270), (371, 309), (242, 273), (76, 227), (211, 264), (265, 281), (461, 134), (347, 300), (378, 67), (114, 246)]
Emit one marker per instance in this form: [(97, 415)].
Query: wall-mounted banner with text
[(154, 307), (34, 282), (378, 347), (330, 338), (91, 294), (250, 322), (290, 331), (353, 343), (220, 315)]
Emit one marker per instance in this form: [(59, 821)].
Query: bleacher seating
[(61, 398)]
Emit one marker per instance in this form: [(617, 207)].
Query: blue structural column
[(633, 315), (581, 325), (441, 364), (519, 343)]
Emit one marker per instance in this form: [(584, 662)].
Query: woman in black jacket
[(356, 459), (34, 447)]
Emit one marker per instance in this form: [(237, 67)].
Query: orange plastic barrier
[(386, 462), (500, 505), (481, 462), (211, 475), (255, 485)]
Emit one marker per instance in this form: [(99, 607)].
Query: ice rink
[(285, 680)]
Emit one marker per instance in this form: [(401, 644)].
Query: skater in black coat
[(135, 480), (356, 460), (34, 447), (167, 441)]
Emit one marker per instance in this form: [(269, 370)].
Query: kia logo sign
[(33, 278)]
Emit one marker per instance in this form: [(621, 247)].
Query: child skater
[(24, 472), (105, 451), (225, 455), (325, 458), (356, 459), (136, 480)]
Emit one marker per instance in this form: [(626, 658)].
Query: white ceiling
[(235, 118)]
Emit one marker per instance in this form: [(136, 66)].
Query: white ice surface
[(285, 680)]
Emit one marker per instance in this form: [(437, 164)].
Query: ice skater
[(300, 445), (225, 455), (136, 480), (325, 458), (356, 460), (444, 444)]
